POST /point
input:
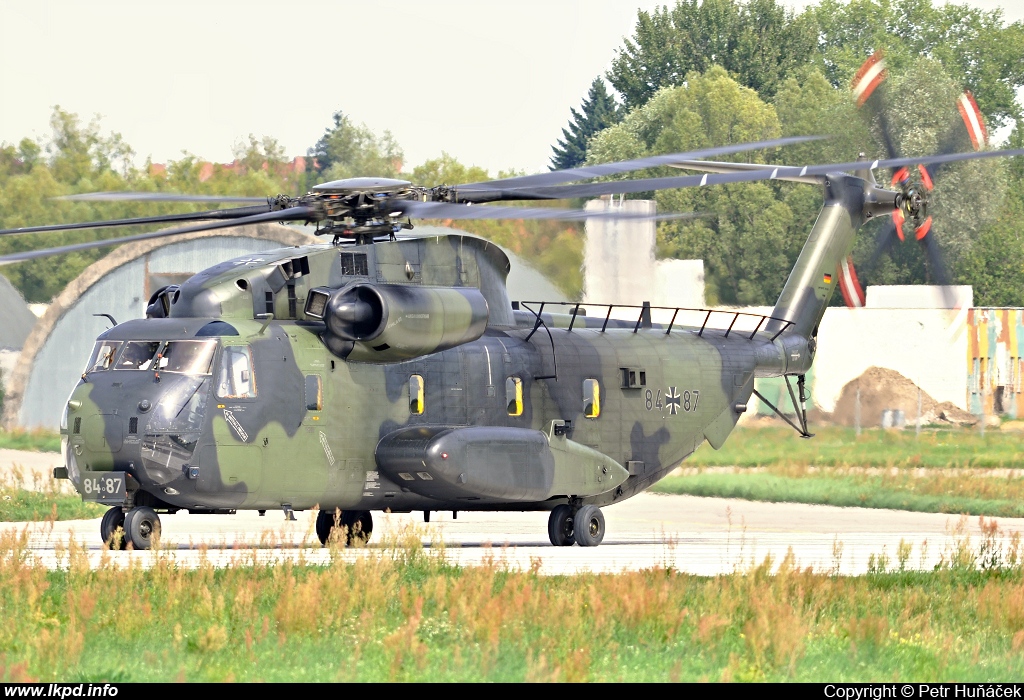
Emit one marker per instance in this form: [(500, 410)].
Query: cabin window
[(591, 398), (138, 355), (416, 395), (314, 393), (514, 396), (235, 378), (103, 355)]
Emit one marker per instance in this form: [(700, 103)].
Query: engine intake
[(393, 322)]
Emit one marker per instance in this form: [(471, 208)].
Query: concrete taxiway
[(704, 536)]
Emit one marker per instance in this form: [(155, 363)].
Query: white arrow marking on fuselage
[(327, 448), (233, 422)]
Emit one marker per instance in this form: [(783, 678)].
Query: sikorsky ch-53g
[(378, 373)]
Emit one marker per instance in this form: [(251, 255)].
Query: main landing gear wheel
[(142, 527), (561, 526), (358, 526), (588, 526), (326, 520), (112, 529)]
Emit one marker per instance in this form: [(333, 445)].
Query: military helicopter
[(380, 373)]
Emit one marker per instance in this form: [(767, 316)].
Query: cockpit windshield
[(193, 357), (138, 355)]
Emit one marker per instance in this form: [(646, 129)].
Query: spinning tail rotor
[(915, 184)]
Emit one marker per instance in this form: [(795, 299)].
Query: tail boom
[(849, 202)]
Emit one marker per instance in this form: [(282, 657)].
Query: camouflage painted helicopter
[(385, 374)]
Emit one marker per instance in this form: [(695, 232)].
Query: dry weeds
[(401, 613)]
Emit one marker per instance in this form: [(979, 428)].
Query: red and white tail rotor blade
[(973, 120), (868, 77), (849, 286)]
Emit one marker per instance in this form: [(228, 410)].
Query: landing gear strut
[(357, 526), (800, 407), (583, 526)]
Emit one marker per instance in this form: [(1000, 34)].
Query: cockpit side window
[(138, 355), (103, 355), (235, 378)]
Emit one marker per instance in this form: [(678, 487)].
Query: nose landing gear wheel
[(112, 529), (560, 526), (142, 527), (589, 526)]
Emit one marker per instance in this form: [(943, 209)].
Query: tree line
[(696, 74), (78, 157), (711, 72)]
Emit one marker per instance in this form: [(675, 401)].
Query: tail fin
[(849, 201)]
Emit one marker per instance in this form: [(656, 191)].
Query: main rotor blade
[(559, 176), (167, 218), (292, 214), (441, 210), (766, 173), (710, 166), (157, 197)]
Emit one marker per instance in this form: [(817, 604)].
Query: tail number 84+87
[(672, 400)]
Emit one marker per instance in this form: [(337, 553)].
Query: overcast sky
[(490, 83)]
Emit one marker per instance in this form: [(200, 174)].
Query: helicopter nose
[(95, 437)]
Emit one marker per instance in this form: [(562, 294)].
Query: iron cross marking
[(672, 401)]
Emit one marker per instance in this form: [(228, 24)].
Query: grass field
[(19, 505), (939, 471), (33, 440), (402, 614), (842, 447), (938, 493)]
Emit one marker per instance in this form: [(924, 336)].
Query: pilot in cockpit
[(138, 355)]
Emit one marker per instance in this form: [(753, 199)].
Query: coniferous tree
[(598, 111)]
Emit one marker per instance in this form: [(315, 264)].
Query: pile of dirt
[(885, 389)]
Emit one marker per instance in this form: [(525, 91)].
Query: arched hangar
[(120, 285)]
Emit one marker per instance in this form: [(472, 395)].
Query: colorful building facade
[(994, 365)]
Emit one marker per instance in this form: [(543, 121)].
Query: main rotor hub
[(358, 185), (359, 208)]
